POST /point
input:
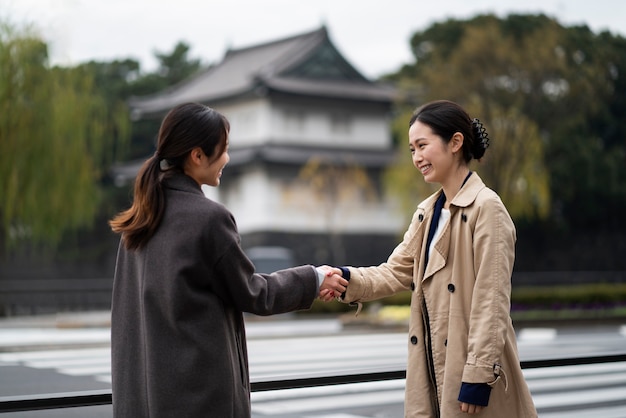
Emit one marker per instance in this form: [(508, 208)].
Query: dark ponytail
[(446, 118), (138, 223), (184, 128)]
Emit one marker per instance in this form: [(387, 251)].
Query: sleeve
[(261, 294), (475, 393), (494, 255), (392, 276)]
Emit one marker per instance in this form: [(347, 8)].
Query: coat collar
[(182, 182), (469, 191), (463, 198)]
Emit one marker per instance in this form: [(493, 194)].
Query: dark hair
[(184, 128), (446, 118)]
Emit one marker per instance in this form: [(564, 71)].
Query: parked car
[(270, 259)]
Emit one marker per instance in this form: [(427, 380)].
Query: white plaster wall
[(250, 122), (257, 122), (370, 131), (260, 204), (317, 127)]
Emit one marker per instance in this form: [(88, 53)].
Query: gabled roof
[(306, 64), (292, 155)]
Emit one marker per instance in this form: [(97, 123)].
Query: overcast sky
[(372, 34)]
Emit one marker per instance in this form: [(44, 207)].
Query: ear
[(456, 142), (196, 155)]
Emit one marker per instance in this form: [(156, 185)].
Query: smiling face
[(433, 157), (206, 170), (214, 169)]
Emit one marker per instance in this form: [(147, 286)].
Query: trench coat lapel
[(419, 240), (465, 197), (439, 255)]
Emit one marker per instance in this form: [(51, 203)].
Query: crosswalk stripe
[(322, 391), (328, 402), (578, 397), (578, 370), (335, 416), (55, 354), (604, 412)]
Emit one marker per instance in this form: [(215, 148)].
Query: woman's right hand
[(333, 285)]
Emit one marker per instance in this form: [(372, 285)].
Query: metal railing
[(104, 397)]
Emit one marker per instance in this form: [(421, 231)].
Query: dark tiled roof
[(282, 154), (299, 155), (286, 66)]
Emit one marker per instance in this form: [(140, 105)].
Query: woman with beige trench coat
[(456, 257)]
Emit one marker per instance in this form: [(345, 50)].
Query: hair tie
[(481, 139), (164, 164)]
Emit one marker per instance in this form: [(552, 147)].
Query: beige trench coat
[(459, 306)]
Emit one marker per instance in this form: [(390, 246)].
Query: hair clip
[(481, 133), (481, 136)]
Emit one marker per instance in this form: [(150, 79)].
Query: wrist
[(320, 276), (345, 273)]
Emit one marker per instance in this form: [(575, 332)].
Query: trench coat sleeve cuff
[(345, 273), (475, 393), (356, 286), (478, 374)]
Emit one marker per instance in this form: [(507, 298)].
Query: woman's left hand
[(470, 409), (327, 295)]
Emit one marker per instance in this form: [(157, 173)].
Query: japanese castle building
[(309, 142)]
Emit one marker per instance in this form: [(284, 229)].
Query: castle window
[(340, 123), (294, 120)]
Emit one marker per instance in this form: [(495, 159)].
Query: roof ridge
[(296, 52), (312, 33)]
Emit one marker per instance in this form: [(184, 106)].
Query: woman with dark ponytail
[(456, 259), (182, 283)]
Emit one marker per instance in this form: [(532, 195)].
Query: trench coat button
[(445, 343), (412, 285), (413, 340), (421, 217), (451, 288), (464, 217)]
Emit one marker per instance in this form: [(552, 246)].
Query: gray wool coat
[(178, 342)]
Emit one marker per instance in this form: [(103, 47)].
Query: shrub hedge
[(580, 296)]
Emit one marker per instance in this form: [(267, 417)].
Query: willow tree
[(56, 137)]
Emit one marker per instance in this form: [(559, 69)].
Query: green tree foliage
[(118, 80), (551, 98), (55, 143), (124, 79), (114, 82), (172, 68)]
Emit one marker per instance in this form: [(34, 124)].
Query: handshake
[(333, 284)]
